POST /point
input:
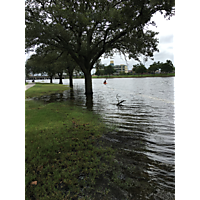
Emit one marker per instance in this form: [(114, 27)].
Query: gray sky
[(166, 33)]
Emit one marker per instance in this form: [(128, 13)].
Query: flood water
[(145, 129)]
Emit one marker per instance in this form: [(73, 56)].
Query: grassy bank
[(41, 89), (63, 155)]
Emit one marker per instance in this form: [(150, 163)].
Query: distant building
[(119, 68), (112, 63)]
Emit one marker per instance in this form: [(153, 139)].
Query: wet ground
[(144, 134)]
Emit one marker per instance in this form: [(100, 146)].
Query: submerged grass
[(41, 89), (63, 160)]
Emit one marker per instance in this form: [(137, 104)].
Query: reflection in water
[(144, 138), (71, 92)]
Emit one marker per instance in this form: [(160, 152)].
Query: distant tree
[(169, 62), (98, 72), (155, 66), (139, 68), (33, 65), (50, 70), (123, 73), (167, 67), (55, 61), (27, 70), (134, 68), (109, 70), (46, 58)]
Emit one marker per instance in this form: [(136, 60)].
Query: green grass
[(41, 89), (61, 151)]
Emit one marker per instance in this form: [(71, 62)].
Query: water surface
[(145, 129)]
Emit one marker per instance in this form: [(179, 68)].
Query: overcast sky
[(166, 33)]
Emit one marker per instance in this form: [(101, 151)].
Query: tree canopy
[(52, 62), (165, 67), (109, 70), (139, 68), (105, 70), (155, 66), (90, 28)]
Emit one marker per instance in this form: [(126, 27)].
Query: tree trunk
[(51, 77), (88, 83), (70, 72), (70, 81), (89, 101), (60, 78)]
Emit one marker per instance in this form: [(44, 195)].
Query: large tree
[(87, 29)]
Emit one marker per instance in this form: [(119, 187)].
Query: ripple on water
[(144, 135)]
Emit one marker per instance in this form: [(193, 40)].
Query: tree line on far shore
[(156, 67), (52, 64), (166, 67)]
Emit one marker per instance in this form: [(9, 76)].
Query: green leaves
[(83, 21), (139, 68), (88, 29), (165, 67)]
